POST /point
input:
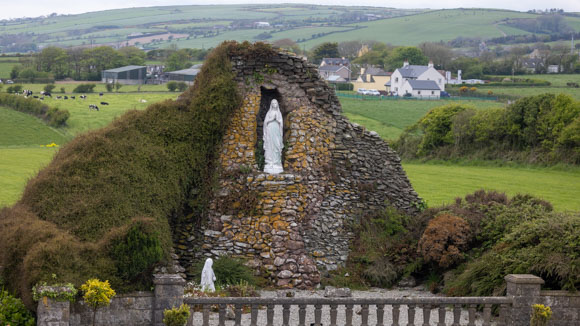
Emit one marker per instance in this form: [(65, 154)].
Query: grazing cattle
[(58, 97), (73, 97), (35, 96), (93, 107), (84, 97), (66, 97), (104, 103), (41, 98), (47, 94), (101, 94)]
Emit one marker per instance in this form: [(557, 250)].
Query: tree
[(133, 56), (55, 60), (439, 53), (49, 87), (101, 58), (325, 50), (178, 60), (399, 55), (376, 56), (172, 86), (97, 294), (287, 44), (349, 49)]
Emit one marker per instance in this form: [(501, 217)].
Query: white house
[(415, 73), (421, 88)]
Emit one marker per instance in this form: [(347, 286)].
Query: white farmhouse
[(433, 83)]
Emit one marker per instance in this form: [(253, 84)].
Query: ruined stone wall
[(291, 225)]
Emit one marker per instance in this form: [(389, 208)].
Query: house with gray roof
[(327, 71), (400, 85)]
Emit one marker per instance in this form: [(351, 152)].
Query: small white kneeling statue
[(207, 277), (273, 140)]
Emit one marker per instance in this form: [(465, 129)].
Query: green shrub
[(172, 86), (52, 116), (14, 89), (84, 88), (181, 86), (13, 311), (158, 163), (109, 87), (137, 252), (49, 87), (436, 126), (176, 316)]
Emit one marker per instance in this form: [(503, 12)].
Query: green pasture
[(18, 129), (17, 166), (390, 117), (441, 184), (100, 87), (6, 64), (532, 90), (306, 32), (432, 26)]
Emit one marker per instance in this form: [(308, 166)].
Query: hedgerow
[(52, 116), (122, 188)]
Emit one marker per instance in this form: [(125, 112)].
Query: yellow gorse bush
[(540, 315), (97, 293)]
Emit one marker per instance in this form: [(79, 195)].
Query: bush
[(98, 294), (445, 240), (343, 86), (109, 87), (181, 86), (13, 311), (228, 271), (52, 116), (14, 89), (49, 87), (84, 88), (136, 253), (172, 86), (62, 90), (176, 316)]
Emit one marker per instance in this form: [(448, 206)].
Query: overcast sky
[(34, 8)]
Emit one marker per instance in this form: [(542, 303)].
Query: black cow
[(73, 97), (66, 97), (104, 103), (101, 94)]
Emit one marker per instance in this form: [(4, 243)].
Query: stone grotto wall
[(291, 225)]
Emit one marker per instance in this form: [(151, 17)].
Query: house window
[(439, 80), (419, 92), (396, 79), (396, 89), (432, 92)]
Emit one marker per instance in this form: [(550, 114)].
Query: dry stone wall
[(292, 225)]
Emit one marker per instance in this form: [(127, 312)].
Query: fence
[(146, 308), (403, 98)]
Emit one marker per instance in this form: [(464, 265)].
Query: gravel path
[(373, 293)]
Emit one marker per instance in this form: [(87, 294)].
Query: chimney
[(448, 76), (459, 76), (430, 64), (405, 63)]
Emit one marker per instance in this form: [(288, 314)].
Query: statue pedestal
[(273, 168)]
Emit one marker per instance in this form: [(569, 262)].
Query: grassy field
[(17, 165), (439, 184), (18, 129), (6, 64), (390, 117)]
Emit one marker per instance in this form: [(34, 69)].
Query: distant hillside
[(309, 25)]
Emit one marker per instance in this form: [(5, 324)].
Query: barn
[(128, 75), (185, 75)]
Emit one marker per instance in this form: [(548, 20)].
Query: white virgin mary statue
[(273, 142), (207, 277)]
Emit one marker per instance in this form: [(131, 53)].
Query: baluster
[(380, 314), (286, 315), (190, 318), (205, 315), (504, 313), (364, 315), (472, 308), (254, 315), (317, 314), (302, 315), (411, 315), (222, 314), (348, 315), (270, 315), (426, 314), (456, 314), (333, 313), (238, 314), (441, 315), (486, 315), (396, 310)]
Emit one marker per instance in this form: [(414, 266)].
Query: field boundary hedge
[(54, 117)]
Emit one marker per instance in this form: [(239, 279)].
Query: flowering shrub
[(97, 294), (540, 315)]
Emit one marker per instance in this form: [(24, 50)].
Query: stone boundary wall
[(291, 226), (146, 308)]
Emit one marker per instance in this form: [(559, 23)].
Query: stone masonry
[(292, 225)]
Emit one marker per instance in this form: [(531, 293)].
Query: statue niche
[(273, 139)]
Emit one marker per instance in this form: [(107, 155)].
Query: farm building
[(128, 75), (185, 75)]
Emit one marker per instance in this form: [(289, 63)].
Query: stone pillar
[(52, 313), (525, 289), (168, 294)]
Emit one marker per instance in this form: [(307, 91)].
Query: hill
[(309, 25)]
